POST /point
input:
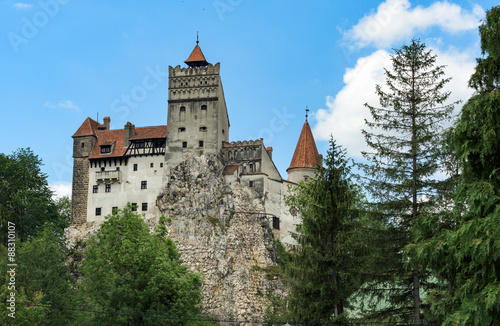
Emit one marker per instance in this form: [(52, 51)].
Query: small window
[(134, 207), (95, 189), (114, 210), (105, 149), (161, 165), (200, 143), (140, 144), (183, 108), (223, 132), (102, 169), (251, 167), (182, 129), (117, 168), (201, 83), (144, 185), (83, 145), (203, 129), (144, 207), (108, 188), (98, 211), (205, 82), (151, 165), (276, 223), (184, 144), (250, 183), (135, 167), (203, 107)]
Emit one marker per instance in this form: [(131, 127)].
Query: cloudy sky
[(66, 60)]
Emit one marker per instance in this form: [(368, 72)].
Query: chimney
[(270, 152), (107, 121), (128, 132)]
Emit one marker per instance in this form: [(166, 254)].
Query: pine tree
[(464, 252), (404, 138), (322, 266)]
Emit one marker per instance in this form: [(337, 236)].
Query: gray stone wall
[(79, 192)]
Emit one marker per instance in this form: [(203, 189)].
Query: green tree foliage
[(404, 138), (25, 197), (28, 312), (324, 265), (42, 269), (129, 273), (464, 250)]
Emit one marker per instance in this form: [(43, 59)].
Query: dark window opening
[(144, 207), (250, 183), (135, 167), (203, 129), (200, 143), (161, 165), (83, 145), (114, 210), (203, 107), (134, 207), (184, 144), (276, 223), (117, 168), (181, 129), (102, 169), (108, 188), (144, 185), (151, 165), (98, 211), (140, 144), (183, 108), (95, 189), (105, 149)]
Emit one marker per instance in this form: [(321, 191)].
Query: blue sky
[(65, 60)]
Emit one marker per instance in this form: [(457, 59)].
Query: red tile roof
[(270, 148), (230, 168), (196, 58), (88, 128), (105, 137), (306, 154)]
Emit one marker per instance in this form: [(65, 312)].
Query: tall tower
[(197, 119), (305, 158)]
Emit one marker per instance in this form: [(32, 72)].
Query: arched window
[(181, 129), (183, 108), (203, 107)]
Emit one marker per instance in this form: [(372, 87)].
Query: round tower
[(305, 158)]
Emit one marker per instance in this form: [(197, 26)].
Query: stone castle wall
[(79, 193)]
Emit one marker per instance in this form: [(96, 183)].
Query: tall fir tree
[(404, 137), (323, 267), (464, 251)]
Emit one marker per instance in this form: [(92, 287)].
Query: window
[(98, 211), (203, 107), (108, 188), (140, 144), (117, 168), (102, 169), (203, 129), (276, 223), (183, 108), (144, 185), (182, 129), (251, 167), (184, 144), (223, 132), (95, 189), (114, 210), (161, 165), (135, 167), (134, 207), (250, 183), (201, 143), (201, 83), (105, 149), (83, 145), (144, 207), (151, 165)]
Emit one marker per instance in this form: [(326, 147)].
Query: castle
[(131, 165)]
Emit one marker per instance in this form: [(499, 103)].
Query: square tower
[(197, 120)]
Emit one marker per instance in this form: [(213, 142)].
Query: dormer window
[(106, 149)]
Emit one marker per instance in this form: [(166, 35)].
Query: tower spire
[(196, 59)]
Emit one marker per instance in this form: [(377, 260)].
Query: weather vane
[(307, 111), (197, 37)]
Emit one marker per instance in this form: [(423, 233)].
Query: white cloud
[(395, 21), (61, 189), (20, 5), (66, 104), (345, 113)]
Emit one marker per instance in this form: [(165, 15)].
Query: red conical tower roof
[(306, 154), (196, 59)]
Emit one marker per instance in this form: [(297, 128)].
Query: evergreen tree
[(323, 266), (464, 251), (404, 138)]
